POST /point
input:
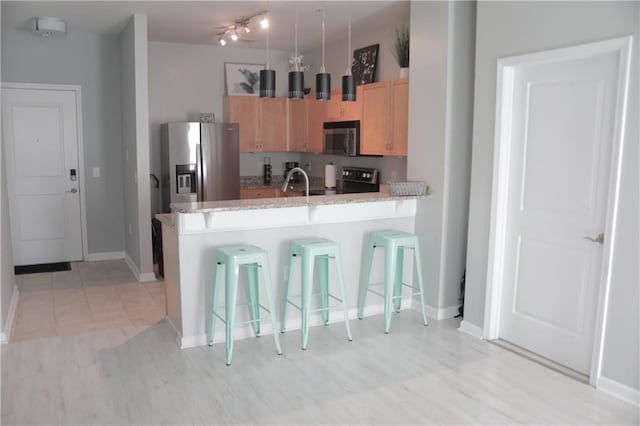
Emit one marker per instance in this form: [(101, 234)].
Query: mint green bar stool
[(394, 244), (310, 250), (229, 260)]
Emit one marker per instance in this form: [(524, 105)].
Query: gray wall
[(135, 137), (372, 31), (185, 80), (93, 62), (513, 28), (440, 122)]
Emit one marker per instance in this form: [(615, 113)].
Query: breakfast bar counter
[(192, 232)]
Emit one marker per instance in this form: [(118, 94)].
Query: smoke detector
[(46, 26)]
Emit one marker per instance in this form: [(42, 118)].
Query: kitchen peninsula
[(192, 232)]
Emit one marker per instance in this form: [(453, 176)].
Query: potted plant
[(401, 50)]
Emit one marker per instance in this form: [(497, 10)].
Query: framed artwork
[(364, 63), (243, 79)]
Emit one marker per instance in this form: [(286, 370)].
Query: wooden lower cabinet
[(267, 192), (249, 193)]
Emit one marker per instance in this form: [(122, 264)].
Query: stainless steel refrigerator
[(200, 162)]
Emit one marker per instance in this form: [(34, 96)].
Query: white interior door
[(564, 114), (41, 157)]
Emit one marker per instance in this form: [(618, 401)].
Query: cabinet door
[(344, 111), (352, 111), (316, 116), (399, 116), (272, 136), (297, 125), (251, 193), (375, 124), (244, 111)]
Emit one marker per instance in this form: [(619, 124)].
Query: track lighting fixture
[(348, 82), (296, 77), (323, 78), (267, 75)]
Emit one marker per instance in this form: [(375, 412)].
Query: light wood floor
[(414, 375), (92, 296)]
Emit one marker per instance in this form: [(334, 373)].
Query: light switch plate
[(96, 172)]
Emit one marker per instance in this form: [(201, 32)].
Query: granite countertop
[(257, 182), (282, 202)]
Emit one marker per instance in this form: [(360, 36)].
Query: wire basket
[(408, 188)]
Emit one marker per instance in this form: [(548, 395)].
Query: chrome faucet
[(306, 179)]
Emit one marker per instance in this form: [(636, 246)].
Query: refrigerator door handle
[(200, 171)]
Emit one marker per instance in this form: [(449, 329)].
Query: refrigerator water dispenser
[(185, 178)]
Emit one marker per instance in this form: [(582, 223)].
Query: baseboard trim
[(437, 313), (266, 329), (619, 390), (5, 336), (107, 255), (141, 277), (471, 329)]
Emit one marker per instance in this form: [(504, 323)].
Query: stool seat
[(229, 260), (394, 243), (311, 250)]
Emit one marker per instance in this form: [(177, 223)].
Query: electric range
[(354, 180)]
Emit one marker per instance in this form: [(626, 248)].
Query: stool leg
[(323, 275), (365, 283), (272, 308), (307, 281), (416, 260), (389, 276), (285, 308), (252, 275), (338, 260), (217, 283), (230, 305), (397, 291)]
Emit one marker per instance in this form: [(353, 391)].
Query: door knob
[(599, 239), (73, 190)]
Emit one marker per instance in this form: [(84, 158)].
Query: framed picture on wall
[(242, 79), (364, 63)]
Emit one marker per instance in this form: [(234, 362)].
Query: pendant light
[(348, 82), (323, 78), (267, 75), (296, 77)]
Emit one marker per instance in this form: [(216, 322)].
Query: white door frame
[(501, 166), (82, 188)]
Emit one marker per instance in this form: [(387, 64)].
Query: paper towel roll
[(329, 176)]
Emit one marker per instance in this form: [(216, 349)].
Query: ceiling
[(198, 22)]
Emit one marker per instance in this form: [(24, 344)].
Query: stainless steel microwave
[(342, 138)]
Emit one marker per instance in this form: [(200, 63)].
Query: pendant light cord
[(268, 64), (296, 42), (349, 49), (322, 70)]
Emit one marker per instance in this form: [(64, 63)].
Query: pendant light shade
[(267, 75), (348, 82), (323, 78), (296, 85), (296, 77), (267, 83)]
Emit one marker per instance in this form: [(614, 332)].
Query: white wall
[(135, 132), (8, 279), (513, 28), (440, 119), (93, 62)]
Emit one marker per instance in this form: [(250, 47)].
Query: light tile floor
[(92, 296)]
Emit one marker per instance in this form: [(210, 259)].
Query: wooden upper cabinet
[(384, 118), (272, 124), (337, 110), (316, 116), (374, 127), (244, 111), (399, 116), (262, 122), (297, 137)]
